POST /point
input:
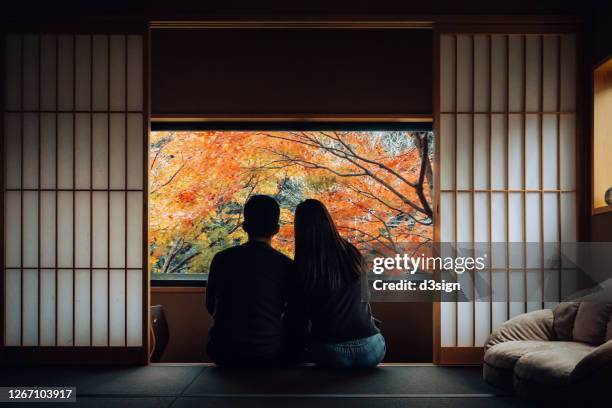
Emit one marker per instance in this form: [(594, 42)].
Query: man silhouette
[(246, 293)]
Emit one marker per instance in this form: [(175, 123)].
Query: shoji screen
[(74, 196), (506, 123)]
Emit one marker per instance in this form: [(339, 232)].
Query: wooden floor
[(204, 386)]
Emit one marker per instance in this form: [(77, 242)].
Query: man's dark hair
[(261, 216)]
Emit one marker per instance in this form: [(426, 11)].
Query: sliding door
[(506, 120), (74, 201)]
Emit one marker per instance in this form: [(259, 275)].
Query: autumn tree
[(377, 185)]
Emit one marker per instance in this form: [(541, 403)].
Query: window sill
[(179, 280), (602, 210)]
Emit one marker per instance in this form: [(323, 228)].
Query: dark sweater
[(334, 317), (246, 295)]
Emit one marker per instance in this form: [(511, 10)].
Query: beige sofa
[(562, 353)]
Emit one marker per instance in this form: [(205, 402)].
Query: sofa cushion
[(563, 320), (505, 355), (552, 366), (591, 322), (536, 325), (609, 330)]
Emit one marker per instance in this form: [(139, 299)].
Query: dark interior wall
[(599, 46), (291, 71), (407, 327), (166, 9)]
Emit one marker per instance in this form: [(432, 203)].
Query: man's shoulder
[(281, 256), (236, 252), (227, 252)]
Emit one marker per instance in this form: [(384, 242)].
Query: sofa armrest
[(536, 325), (598, 359)]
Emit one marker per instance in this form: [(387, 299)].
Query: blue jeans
[(361, 353)]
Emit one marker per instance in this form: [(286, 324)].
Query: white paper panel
[(465, 161), (499, 309), (568, 151), (448, 322), (481, 222), (47, 153), (498, 229), (30, 150), (483, 316), (100, 72), (65, 140), (447, 73), (47, 229), (30, 229), (481, 73), (99, 305), (117, 229), (117, 72), (515, 229), (551, 73), (30, 72), (64, 307), (100, 229), (100, 151), (465, 217), (533, 74), (69, 150), (64, 229), (83, 72), (82, 304), (534, 290), (47, 307), (134, 230), (82, 150), (499, 141), (533, 229), (550, 151), (30, 307), (13, 150), (515, 152), (517, 292), (465, 317), (568, 217), (135, 79), (48, 72), (551, 217), (82, 229), (13, 229), (13, 72), (12, 336), (65, 73), (447, 152), (117, 307), (532, 152), (134, 308), (515, 75), (499, 69), (481, 152), (568, 73), (134, 151), (464, 73), (447, 217), (117, 151)]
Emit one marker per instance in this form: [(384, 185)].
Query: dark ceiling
[(282, 8)]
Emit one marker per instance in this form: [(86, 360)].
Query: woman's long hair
[(325, 261)]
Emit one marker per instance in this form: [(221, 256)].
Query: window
[(377, 183), (602, 139)]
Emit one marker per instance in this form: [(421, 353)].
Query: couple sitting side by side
[(271, 311)]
